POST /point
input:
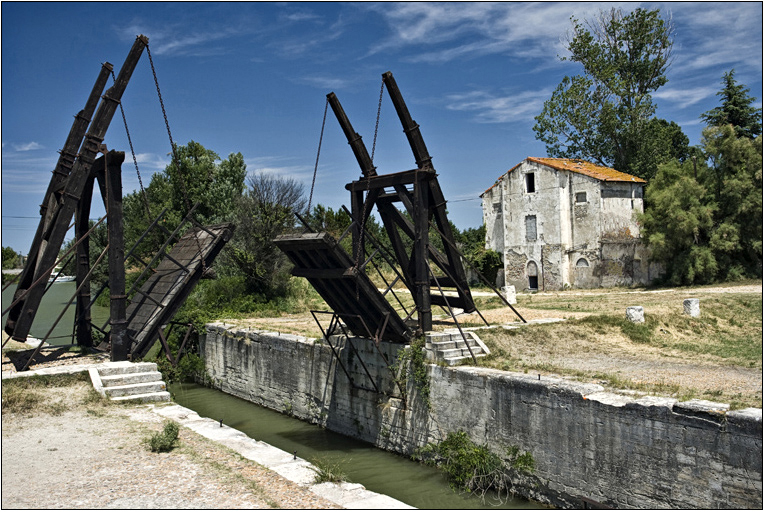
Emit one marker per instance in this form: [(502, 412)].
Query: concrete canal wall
[(616, 450)]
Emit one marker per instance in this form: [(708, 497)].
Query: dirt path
[(93, 456)]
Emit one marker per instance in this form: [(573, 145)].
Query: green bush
[(474, 468), (165, 441)]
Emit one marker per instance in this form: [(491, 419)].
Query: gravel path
[(93, 457)]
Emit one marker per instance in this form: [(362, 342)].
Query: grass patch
[(327, 471), (31, 395)]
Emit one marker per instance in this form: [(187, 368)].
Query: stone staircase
[(451, 348), (124, 380)]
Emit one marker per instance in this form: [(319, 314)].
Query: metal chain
[(318, 152), (175, 156), (377, 121), (135, 160), (366, 206)]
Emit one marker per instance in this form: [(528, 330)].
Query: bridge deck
[(348, 291), (160, 297)]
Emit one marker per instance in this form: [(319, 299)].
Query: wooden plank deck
[(350, 293), (160, 297)]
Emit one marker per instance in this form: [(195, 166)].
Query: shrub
[(474, 468), (165, 441)]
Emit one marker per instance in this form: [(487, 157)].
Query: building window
[(582, 262), (581, 197), (531, 228), (532, 274), (530, 186)]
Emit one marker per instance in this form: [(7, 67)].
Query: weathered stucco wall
[(645, 453), (562, 225)]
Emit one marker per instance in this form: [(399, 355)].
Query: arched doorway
[(533, 274)]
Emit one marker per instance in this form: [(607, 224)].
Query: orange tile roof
[(588, 169), (579, 166)]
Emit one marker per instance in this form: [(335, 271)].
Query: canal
[(54, 300), (379, 471)]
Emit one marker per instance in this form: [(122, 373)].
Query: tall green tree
[(736, 109), (704, 220), (10, 258), (605, 115), (196, 174), (735, 186)]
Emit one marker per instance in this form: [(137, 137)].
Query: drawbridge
[(137, 317), (433, 277)]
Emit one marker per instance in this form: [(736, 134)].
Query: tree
[(678, 223), (264, 212), (193, 176), (10, 258), (736, 109), (735, 186), (704, 221), (606, 114)]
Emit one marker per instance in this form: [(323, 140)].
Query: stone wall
[(645, 453)]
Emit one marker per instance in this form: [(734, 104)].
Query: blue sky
[(253, 77)]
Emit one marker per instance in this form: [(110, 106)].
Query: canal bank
[(587, 444), (111, 473)]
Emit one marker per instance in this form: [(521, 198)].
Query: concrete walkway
[(347, 495)]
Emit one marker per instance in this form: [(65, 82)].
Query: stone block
[(635, 314), (691, 307), (510, 294)]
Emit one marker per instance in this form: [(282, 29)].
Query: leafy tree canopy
[(705, 219), (606, 114), (196, 174), (10, 257), (736, 109)]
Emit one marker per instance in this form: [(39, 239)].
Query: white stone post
[(510, 294), (635, 314), (691, 307)]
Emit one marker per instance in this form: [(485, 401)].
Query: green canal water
[(379, 471), (53, 302)]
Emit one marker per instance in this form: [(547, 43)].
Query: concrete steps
[(452, 349), (129, 381)]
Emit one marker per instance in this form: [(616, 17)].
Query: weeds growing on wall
[(327, 471), (473, 468), (411, 361)]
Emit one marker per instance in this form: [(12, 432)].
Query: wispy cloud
[(329, 83), (461, 30), (493, 108), (27, 146), (685, 97)]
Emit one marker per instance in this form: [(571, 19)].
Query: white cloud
[(684, 97), (525, 30), (28, 146), (491, 108)]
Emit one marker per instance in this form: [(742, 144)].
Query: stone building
[(562, 222)]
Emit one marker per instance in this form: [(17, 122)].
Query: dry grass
[(717, 356)]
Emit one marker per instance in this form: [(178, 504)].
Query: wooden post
[(421, 276), (72, 192), (82, 309), (118, 299), (47, 208)]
